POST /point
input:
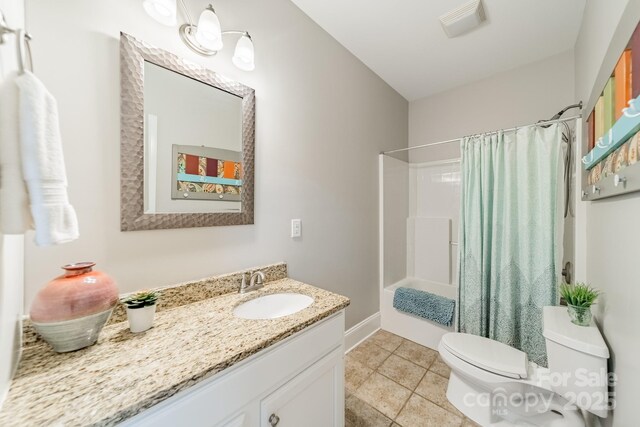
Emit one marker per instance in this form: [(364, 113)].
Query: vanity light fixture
[(208, 31), (206, 37), (243, 55)]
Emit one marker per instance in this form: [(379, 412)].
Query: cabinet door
[(315, 398), (237, 421)]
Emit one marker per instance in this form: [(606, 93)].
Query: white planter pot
[(141, 319)]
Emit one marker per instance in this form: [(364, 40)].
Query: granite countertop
[(125, 373)]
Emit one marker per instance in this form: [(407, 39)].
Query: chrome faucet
[(256, 281)]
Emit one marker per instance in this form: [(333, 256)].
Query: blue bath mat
[(429, 306)]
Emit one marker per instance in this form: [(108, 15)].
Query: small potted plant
[(141, 309), (579, 298)]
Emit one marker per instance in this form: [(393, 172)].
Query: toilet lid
[(487, 354)]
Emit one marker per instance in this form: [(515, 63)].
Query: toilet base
[(510, 404)]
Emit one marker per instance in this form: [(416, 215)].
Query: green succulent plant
[(579, 294), (141, 299)]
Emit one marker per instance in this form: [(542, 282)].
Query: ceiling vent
[(463, 19)]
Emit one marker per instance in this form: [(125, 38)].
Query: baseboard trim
[(361, 331)]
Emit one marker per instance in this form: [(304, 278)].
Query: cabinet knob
[(274, 420)]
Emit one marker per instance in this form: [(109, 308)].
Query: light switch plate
[(296, 228)]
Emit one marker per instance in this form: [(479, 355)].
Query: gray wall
[(322, 119), (613, 233), (517, 97)]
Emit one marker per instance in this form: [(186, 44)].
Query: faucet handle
[(257, 279), (243, 284)]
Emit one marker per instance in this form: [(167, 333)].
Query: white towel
[(15, 217), (43, 163)]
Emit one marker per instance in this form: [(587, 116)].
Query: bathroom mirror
[(187, 143)]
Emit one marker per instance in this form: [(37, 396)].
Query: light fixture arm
[(239, 32), (186, 12), (187, 36)]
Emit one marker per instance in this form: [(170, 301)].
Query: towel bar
[(22, 39)]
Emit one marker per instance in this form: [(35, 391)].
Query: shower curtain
[(511, 228)]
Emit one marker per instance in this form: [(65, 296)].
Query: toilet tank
[(577, 357)]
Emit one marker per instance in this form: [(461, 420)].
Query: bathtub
[(411, 327)]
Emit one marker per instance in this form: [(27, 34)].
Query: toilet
[(496, 386)]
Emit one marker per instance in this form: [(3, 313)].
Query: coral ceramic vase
[(70, 311)]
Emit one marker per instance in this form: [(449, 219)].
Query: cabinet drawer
[(213, 400)]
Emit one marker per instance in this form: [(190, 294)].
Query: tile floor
[(391, 381)]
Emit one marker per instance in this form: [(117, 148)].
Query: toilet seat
[(495, 385), (487, 354)]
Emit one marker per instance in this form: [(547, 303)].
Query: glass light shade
[(243, 57), (209, 33), (163, 11)]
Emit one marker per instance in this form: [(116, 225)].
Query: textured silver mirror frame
[(133, 53)]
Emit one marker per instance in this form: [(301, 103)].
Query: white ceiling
[(403, 42)]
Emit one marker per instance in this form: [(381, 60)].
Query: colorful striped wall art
[(591, 131), (599, 118), (634, 46), (609, 104), (622, 75)]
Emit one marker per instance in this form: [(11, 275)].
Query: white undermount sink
[(272, 306)]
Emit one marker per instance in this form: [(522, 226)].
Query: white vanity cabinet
[(313, 398), (298, 382)]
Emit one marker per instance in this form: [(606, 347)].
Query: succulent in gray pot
[(579, 297), (141, 309)]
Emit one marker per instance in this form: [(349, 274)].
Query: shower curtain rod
[(546, 122)]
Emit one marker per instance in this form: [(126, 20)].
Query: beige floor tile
[(359, 414), (383, 394), (419, 412), (416, 353), (434, 388), (440, 368), (355, 373), (402, 371), (386, 340), (468, 423), (369, 354)]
